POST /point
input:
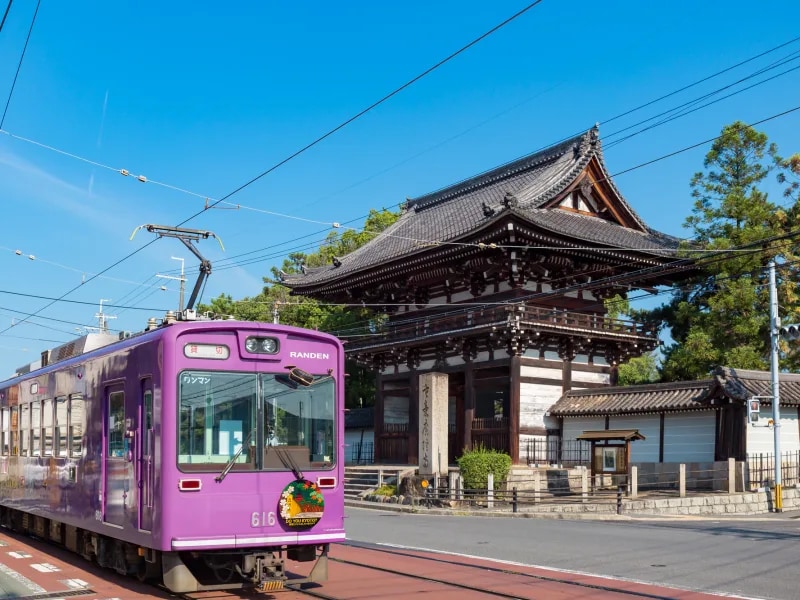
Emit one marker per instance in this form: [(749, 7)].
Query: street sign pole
[(775, 328)]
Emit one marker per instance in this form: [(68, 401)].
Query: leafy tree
[(639, 370), (275, 300), (721, 316)]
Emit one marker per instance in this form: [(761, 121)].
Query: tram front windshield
[(260, 422)]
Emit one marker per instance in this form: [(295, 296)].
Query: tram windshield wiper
[(286, 459), (234, 458)]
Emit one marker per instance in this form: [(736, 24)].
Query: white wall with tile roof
[(761, 440), (646, 450), (689, 437)]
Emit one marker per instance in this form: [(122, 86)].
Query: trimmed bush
[(386, 490), (476, 465)]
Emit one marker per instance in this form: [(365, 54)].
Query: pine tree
[(721, 316)]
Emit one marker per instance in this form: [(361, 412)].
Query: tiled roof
[(655, 397), (737, 384), (451, 213), (743, 383)]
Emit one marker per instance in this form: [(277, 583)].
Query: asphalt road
[(755, 558)]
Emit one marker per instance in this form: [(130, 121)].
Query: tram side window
[(116, 424), (77, 418), (47, 427), (60, 427), (36, 427), (148, 423), (5, 434), (25, 428), (14, 431)]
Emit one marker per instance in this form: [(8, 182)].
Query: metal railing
[(535, 317), (556, 451), (361, 453)]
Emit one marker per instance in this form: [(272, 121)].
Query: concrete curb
[(565, 516)]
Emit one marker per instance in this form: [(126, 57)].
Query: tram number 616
[(262, 519)]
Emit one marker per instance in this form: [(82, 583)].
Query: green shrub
[(386, 490), (476, 465)]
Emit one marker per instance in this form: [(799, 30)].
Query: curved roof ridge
[(506, 170), (598, 151)]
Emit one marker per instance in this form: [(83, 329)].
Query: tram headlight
[(261, 345)]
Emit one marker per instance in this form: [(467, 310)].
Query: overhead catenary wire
[(606, 138), (753, 247), (650, 162), (682, 264), (5, 14), (19, 64), (53, 301), (627, 170), (377, 103), (307, 146), (462, 307)]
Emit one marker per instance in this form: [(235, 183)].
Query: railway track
[(506, 583), (358, 571), (498, 570)]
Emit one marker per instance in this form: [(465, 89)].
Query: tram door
[(119, 497), (145, 450)]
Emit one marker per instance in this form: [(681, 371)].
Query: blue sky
[(203, 98)]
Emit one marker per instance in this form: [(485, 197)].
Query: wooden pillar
[(514, 408), (459, 440), (469, 404), (566, 375), (378, 417), (413, 417)]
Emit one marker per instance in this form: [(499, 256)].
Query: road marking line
[(45, 568), (9, 572), (557, 570), (20, 555)]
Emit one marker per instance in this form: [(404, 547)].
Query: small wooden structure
[(611, 450)]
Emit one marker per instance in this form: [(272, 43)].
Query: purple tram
[(198, 453)]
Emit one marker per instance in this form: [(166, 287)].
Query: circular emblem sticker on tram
[(302, 504)]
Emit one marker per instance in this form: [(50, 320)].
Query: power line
[(780, 62), (699, 81), (19, 66), (5, 15), (39, 297), (635, 167), (231, 266), (308, 146), (61, 298), (644, 273), (688, 111), (687, 148), (376, 103)]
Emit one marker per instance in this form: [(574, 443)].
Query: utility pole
[(181, 279), (102, 317), (275, 318), (775, 333), (183, 283)]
